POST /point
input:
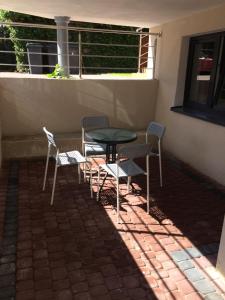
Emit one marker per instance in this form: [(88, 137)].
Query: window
[(204, 95)]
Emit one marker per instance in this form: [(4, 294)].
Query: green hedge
[(48, 34)]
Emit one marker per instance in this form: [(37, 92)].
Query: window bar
[(154, 58), (139, 54), (80, 55)]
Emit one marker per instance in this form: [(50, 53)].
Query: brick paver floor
[(76, 250)]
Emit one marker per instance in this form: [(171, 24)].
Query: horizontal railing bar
[(111, 68), (44, 26), (114, 68), (28, 40), (37, 41), (75, 43), (40, 53), (111, 45), (72, 55), (108, 56), (27, 65), (120, 68), (150, 57)]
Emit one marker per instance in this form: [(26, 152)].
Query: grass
[(127, 75)]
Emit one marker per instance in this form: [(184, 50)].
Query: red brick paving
[(76, 250)]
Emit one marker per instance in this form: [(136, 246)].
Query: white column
[(62, 43)]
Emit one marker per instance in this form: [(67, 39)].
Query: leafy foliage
[(58, 73), (16, 33), (91, 65)]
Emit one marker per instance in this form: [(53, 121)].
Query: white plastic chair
[(157, 130), (62, 159), (127, 168), (89, 147)]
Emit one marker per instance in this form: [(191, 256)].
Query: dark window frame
[(208, 111)]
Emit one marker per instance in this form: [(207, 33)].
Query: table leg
[(108, 153), (110, 158), (113, 158)]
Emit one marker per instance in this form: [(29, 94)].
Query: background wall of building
[(28, 104), (198, 143)]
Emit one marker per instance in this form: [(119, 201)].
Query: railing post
[(139, 53), (154, 58), (80, 54), (139, 49)]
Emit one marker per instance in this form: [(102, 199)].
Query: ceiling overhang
[(142, 13)]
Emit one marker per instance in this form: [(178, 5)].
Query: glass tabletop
[(112, 135)]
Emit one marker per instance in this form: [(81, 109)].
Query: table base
[(110, 153)]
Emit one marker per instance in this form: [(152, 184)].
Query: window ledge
[(205, 116)]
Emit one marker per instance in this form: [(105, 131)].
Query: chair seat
[(69, 158), (126, 168), (94, 149)]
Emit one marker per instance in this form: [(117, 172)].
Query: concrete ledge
[(36, 145)]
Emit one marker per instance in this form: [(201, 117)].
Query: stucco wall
[(30, 103), (198, 143), (0, 141)]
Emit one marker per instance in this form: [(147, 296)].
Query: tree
[(20, 46)]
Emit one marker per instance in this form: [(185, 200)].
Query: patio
[(76, 250)]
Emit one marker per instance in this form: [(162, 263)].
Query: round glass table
[(111, 137)]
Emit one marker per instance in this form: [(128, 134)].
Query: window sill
[(205, 116)]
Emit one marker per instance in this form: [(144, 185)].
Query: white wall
[(196, 142), (30, 103), (0, 143), (0, 133)]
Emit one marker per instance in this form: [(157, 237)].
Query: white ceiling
[(140, 13)]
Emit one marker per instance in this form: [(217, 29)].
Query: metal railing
[(89, 49)]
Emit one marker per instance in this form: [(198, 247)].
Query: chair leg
[(46, 169), (91, 185), (147, 178), (160, 169), (128, 184), (78, 170), (85, 169), (54, 180), (98, 188), (118, 200)]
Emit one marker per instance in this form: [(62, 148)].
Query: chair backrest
[(155, 129), (50, 137), (134, 151), (94, 122)]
